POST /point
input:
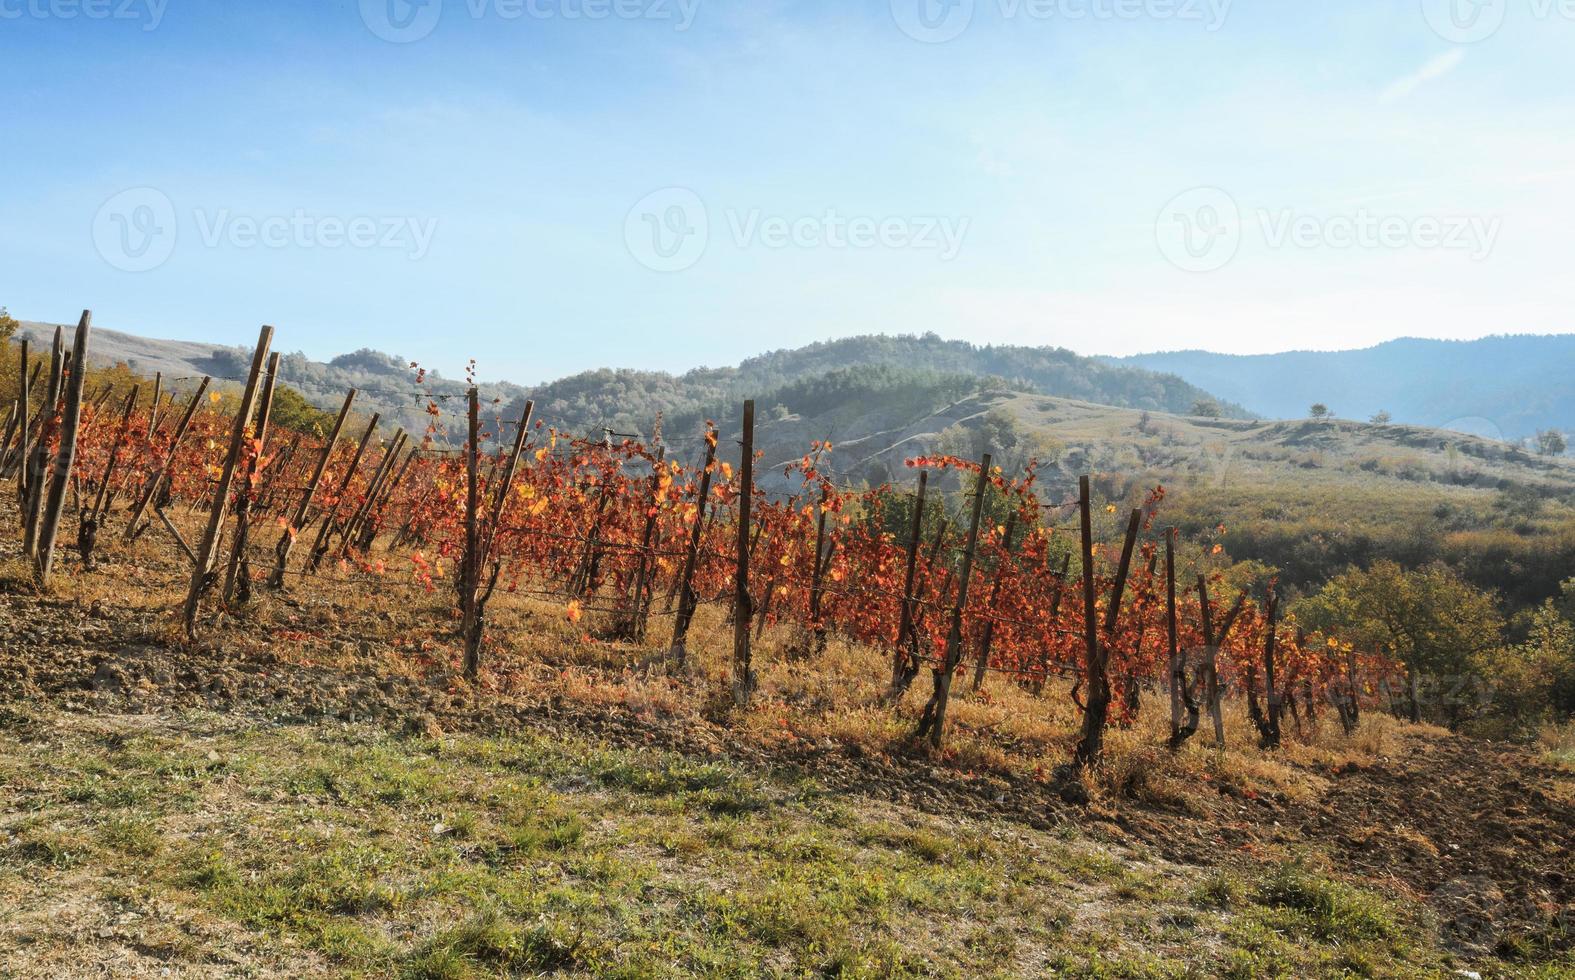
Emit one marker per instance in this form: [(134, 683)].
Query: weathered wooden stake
[(25, 423), (471, 568), (37, 478), (89, 522), (153, 406), (988, 637), (687, 600), (1177, 678), (743, 605), (202, 570), (1268, 672), (374, 489), (933, 720), (298, 519), (905, 661), (642, 574), (1097, 710), (325, 533), (240, 566), (65, 457), (485, 552)]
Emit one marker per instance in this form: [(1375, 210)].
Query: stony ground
[(311, 790)]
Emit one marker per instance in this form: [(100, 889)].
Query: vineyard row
[(1005, 583)]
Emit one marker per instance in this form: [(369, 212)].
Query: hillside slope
[(310, 791), (629, 399), (1308, 498), (1504, 387)]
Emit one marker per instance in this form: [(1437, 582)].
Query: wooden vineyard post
[(476, 598), (298, 519), (25, 424), (743, 605), (470, 568), (1133, 689), (5, 440), (1090, 612), (825, 548), (905, 662), (89, 522), (372, 522), (1208, 671), (1177, 678), (153, 406), (687, 600), (150, 492), (202, 569), (1268, 673), (642, 574), (933, 720), (986, 640), (374, 489), (240, 566), (1097, 676), (65, 458), (1348, 705), (1187, 689), (325, 533), (39, 462)]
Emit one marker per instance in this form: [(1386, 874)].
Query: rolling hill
[(1506, 387), (628, 399)]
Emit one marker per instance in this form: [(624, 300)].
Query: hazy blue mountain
[(1507, 387)]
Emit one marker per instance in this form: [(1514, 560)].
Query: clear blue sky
[(1022, 172)]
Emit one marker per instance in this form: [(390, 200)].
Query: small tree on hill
[(1382, 417), (1206, 408), (1319, 411), (1551, 442)]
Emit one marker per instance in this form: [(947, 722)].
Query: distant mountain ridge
[(1507, 387)]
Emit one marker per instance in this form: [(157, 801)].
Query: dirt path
[(1484, 834)]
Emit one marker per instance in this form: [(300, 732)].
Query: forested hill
[(799, 380), (627, 397), (1506, 387)]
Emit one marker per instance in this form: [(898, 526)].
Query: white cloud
[(1432, 71)]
